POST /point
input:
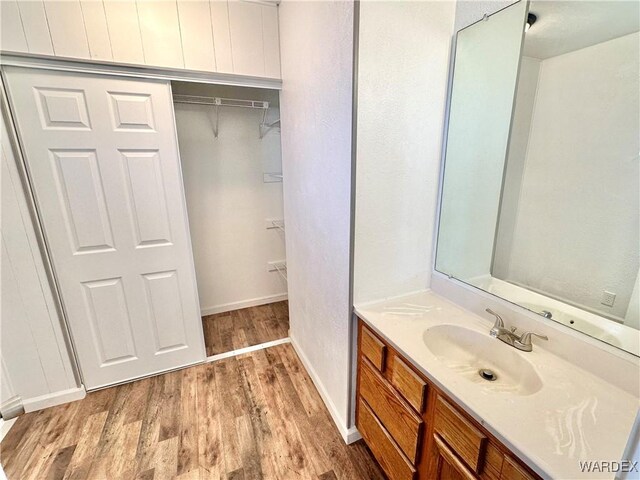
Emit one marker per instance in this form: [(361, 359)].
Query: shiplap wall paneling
[(32, 342), (197, 35), (160, 33), (18, 346), (271, 40), (238, 37), (12, 37), (221, 35), (95, 22), (124, 31), (7, 391), (36, 28), (66, 26), (245, 22)]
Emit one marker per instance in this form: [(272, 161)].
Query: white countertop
[(575, 416)]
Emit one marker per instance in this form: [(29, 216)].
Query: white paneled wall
[(232, 36), (95, 22), (245, 24), (36, 30), (271, 42), (160, 32), (124, 31), (66, 26), (221, 36), (197, 40), (11, 32), (36, 364)]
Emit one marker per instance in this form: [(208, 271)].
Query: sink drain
[(487, 374)]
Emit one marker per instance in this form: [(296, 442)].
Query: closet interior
[(229, 144)]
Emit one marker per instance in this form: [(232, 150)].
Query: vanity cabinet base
[(414, 430)]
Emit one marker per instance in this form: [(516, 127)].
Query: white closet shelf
[(217, 102), (220, 102)]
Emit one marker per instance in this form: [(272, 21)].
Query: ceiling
[(565, 26)]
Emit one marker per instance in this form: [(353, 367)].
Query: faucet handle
[(525, 338), (499, 323)]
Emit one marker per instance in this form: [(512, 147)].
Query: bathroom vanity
[(426, 412), (414, 429)]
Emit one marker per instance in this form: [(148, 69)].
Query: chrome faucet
[(509, 335)]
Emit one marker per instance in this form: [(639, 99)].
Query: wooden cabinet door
[(450, 467)]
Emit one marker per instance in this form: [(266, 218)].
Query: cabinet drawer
[(465, 440), (387, 453), (398, 418), (409, 384), (372, 348)]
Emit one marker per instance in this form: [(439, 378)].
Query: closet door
[(102, 155)]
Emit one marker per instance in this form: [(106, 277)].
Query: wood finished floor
[(254, 416), (224, 332)]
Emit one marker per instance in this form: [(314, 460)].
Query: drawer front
[(372, 348), (409, 384), (398, 418), (387, 453), (465, 440), (512, 471)]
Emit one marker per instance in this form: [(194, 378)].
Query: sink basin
[(467, 351)]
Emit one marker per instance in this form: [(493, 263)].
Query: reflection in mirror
[(565, 239)]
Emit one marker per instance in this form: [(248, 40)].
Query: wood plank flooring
[(254, 416), (224, 332)]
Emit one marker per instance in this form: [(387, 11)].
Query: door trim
[(137, 71)]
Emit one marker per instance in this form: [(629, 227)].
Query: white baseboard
[(353, 435), (12, 407), (5, 426), (252, 302), (53, 399), (347, 435)]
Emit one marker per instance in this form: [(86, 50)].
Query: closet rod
[(220, 102)]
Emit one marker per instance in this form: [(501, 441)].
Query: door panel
[(131, 112), (103, 159), (64, 109), (109, 321), (79, 187), (163, 296), (147, 197)]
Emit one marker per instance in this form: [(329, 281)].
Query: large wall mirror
[(541, 195)]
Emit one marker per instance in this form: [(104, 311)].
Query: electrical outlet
[(608, 298)]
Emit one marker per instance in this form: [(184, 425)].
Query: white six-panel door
[(103, 159)]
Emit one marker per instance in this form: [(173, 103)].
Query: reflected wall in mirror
[(547, 215)]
